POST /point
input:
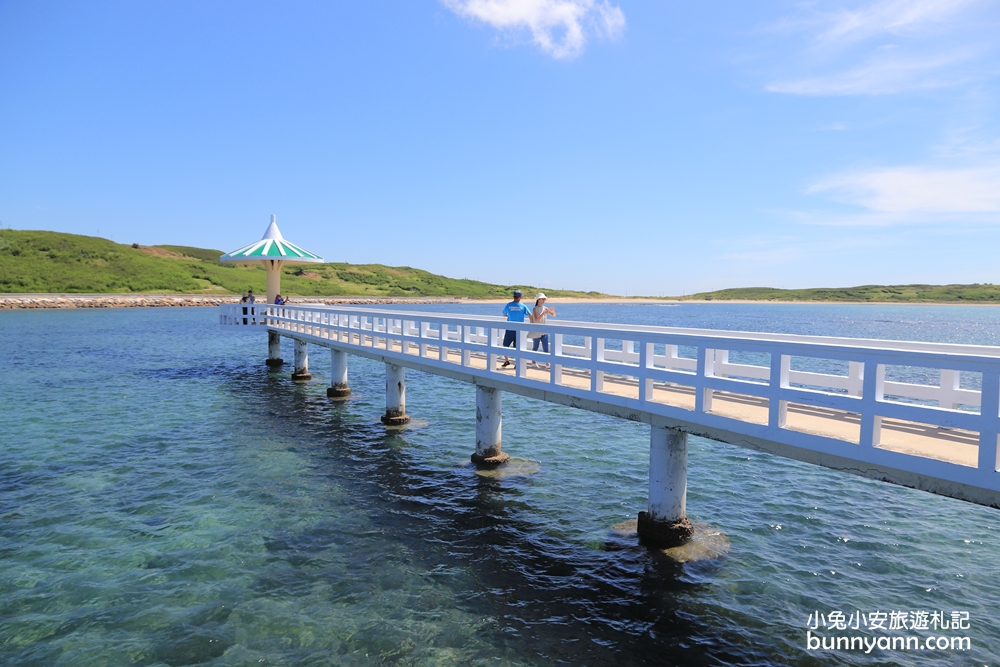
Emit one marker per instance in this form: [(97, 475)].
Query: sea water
[(165, 499)]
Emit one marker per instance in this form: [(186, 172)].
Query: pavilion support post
[(338, 375), (489, 409), (301, 372), (274, 349), (395, 396), (665, 524), (273, 267)]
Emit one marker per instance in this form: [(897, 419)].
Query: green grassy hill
[(37, 261), (977, 293)]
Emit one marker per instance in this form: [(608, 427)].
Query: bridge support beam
[(395, 396), (301, 372), (338, 376), (274, 349), (665, 523), (489, 409)]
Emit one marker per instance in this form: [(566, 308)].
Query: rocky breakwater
[(110, 300), (14, 301)]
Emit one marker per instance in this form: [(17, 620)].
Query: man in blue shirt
[(515, 312)]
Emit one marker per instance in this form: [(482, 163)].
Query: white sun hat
[(540, 296)]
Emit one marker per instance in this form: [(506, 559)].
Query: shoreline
[(555, 301), (63, 301), (70, 300)]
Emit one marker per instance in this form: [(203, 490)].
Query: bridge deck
[(828, 401)]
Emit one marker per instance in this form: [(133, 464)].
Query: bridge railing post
[(599, 358), (443, 337), (989, 414), (425, 333), (706, 368), (466, 342), (494, 340), (950, 381), (397, 331), (856, 375), (778, 408), (645, 363), (720, 363), (557, 351), (871, 396)]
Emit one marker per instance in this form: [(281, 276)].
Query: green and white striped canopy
[(271, 247)]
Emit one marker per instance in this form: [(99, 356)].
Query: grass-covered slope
[(37, 261), (978, 293)]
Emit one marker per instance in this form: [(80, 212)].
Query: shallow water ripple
[(168, 501)]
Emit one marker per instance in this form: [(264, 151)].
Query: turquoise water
[(165, 500)]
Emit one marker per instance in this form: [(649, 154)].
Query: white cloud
[(889, 16), (908, 195), (971, 141), (784, 250), (767, 256), (889, 46), (879, 76), (558, 27)]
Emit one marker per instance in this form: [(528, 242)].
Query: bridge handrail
[(922, 346), (585, 328)]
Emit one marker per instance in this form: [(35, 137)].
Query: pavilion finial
[(272, 230)]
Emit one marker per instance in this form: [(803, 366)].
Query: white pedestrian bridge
[(923, 415)]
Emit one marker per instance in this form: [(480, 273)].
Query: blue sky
[(626, 147)]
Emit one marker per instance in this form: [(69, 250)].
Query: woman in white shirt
[(538, 315)]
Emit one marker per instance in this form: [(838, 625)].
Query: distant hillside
[(37, 262), (977, 293)]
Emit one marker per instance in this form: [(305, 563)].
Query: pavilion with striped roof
[(274, 251)]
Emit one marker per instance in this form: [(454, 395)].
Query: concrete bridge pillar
[(395, 396), (274, 349), (665, 522), (338, 376), (301, 372), (489, 409)]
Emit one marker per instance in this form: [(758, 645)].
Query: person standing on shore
[(515, 312), (538, 316), (250, 297)]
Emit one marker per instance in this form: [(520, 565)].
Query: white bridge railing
[(243, 314), (808, 393)]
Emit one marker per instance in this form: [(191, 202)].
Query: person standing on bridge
[(245, 300), (538, 315), (515, 312)]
